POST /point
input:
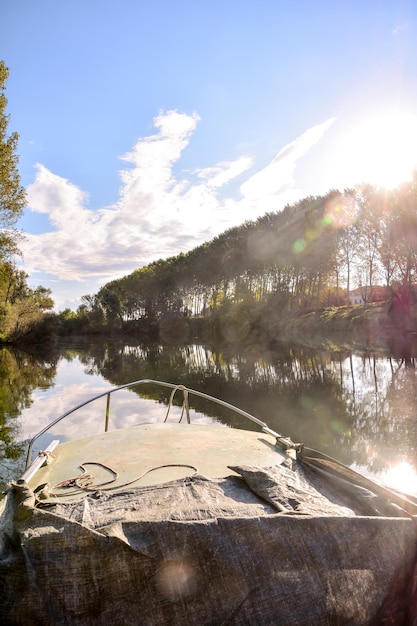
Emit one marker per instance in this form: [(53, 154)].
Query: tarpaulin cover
[(267, 546)]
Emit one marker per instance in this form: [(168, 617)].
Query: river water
[(360, 408)]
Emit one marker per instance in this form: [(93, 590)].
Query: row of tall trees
[(21, 307), (306, 257)]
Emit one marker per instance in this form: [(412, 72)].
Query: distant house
[(357, 296)]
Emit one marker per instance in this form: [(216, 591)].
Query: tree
[(19, 316), (21, 308), (12, 194)]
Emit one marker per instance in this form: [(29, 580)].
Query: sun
[(382, 150), (402, 477)]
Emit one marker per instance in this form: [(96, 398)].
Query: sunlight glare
[(382, 151), (402, 477), (341, 211)]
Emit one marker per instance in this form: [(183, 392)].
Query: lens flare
[(340, 212), (175, 579), (299, 246), (402, 477)]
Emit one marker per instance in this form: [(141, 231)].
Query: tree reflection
[(357, 407), (21, 373)]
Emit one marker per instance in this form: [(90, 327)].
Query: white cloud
[(279, 174), (56, 196), (159, 212), (221, 174)]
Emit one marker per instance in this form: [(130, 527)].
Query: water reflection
[(21, 374), (356, 407)]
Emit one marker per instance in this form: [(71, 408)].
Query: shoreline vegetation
[(373, 327), (336, 271)]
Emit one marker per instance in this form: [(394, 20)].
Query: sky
[(147, 128)]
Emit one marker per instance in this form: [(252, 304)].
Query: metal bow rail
[(284, 442)]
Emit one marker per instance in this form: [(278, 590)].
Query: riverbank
[(375, 327), (372, 327)]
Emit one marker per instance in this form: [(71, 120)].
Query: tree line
[(307, 257)]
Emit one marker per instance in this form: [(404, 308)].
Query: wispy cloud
[(279, 174), (400, 28), (159, 212)]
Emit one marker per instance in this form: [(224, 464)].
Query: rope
[(77, 481), (47, 454)]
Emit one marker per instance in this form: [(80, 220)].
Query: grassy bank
[(370, 327)]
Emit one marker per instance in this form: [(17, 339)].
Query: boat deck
[(152, 454)]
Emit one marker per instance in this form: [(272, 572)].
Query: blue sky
[(147, 128)]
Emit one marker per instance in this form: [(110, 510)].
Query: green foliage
[(12, 194), (281, 253), (291, 261), (21, 309), (20, 315)]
